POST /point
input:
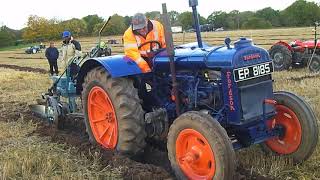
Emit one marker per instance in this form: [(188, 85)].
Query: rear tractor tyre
[(281, 57), (314, 66), (113, 113), (199, 148), (300, 129)]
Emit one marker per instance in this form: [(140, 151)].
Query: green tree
[(174, 18), (256, 23), (7, 37), (116, 26), (245, 16), (270, 15), (202, 20), (91, 21), (127, 20), (153, 15), (233, 20), (300, 13), (218, 18), (40, 28), (77, 27), (185, 19)]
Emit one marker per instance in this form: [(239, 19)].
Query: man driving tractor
[(141, 38)]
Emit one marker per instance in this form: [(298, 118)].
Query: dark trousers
[(53, 64)]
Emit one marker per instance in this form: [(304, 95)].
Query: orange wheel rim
[(194, 155), (291, 139), (102, 118)]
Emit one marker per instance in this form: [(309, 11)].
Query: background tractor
[(102, 48), (297, 54), (33, 50), (202, 102)]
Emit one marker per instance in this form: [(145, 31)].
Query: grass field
[(30, 150), (20, 46)]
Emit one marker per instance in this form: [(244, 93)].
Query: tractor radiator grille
[(252, 95)]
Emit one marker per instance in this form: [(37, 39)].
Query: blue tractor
[(203, 102)]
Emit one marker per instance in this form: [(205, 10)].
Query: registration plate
[(251, 72)]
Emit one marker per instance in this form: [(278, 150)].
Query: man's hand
[(144, 66)]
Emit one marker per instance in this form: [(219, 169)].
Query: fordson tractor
[(203, 102), (297, 54)]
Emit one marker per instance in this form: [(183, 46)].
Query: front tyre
[(199, 148), (299, 125)]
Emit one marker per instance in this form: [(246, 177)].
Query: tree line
[(300, 13)]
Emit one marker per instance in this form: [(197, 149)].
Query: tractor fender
[(284, 44), (117, 66)]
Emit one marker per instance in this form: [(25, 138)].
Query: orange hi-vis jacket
[(132, 41)]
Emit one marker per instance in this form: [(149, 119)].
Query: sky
[(14, 13)]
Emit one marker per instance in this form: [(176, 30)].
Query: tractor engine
[(232, 84), (199, 91)]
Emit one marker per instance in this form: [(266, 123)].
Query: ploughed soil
[(21, 68), (152, 164)]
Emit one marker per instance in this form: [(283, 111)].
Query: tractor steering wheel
[(150, 42), (152, 53)]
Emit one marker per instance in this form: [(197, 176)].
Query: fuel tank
[(189, 57)]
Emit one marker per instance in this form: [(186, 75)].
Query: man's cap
[(66, 34), (139, 21)]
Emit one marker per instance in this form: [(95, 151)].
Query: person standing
[(52, 54), (70, 48)]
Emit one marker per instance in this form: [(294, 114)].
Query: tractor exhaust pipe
[(194, 4), (170, 51), (316, 24), (102, 28)]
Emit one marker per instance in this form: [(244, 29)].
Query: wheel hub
[(291, 132), (193, 155), (109, 117), (278, 57)]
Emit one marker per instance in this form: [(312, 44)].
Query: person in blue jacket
[(52, 55)]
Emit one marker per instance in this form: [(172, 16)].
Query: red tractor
[(297, 54)]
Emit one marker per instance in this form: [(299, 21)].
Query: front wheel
[(299, 127), (199, 148)]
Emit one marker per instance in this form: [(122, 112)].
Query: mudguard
[(285, 44), (117, 66)]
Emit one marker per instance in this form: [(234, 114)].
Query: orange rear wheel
[(102, 118), (112, 113)]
